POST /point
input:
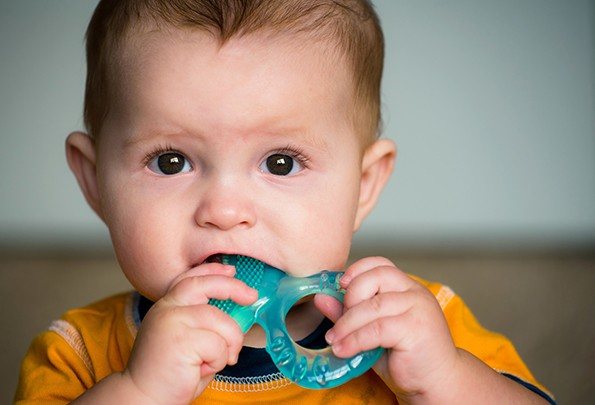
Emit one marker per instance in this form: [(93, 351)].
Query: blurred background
[(492, 105)]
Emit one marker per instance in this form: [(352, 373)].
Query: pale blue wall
[(492, 104)]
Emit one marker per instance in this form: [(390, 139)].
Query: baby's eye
[(169, 163), (280, 164)]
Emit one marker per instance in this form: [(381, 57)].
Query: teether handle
[(314, 369)]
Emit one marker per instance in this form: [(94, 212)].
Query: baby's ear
[(81, 157), (377, 165)]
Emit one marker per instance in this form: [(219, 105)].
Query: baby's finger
[(385, 332), (198, 290), (379, 280), (209, 349), (206, 317), (204, 270), (378, 307), (328, 306), (361, 266)]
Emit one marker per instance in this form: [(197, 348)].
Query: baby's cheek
[(148, 252), (326, 251)]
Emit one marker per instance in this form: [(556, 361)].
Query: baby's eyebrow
[(295, 134), (148, 135), (291, 133)]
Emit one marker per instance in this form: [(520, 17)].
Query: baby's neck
[(301, 321)]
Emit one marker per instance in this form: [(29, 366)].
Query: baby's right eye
[(169, 163)]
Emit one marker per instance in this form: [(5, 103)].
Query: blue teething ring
[(277, 293)]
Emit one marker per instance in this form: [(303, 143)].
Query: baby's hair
[(352, 26)]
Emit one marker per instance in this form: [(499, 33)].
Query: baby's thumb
[(328, 306)]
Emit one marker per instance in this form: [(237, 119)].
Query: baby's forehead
[(176, 74), (345, 33), (139, 86), (141, 42), (152, 46)]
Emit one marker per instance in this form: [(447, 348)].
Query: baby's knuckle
[(349, 299), (377, 329), (375, 304), (180, 290), (382, 261), (386, 273), (221, 345)]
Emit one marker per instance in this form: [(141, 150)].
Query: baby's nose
[(225, 206)]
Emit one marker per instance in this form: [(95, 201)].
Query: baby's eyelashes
[(287, 161), (169, 163), (280, 165)]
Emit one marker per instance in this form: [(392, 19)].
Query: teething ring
[(278, 293)]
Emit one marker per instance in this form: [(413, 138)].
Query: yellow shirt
[(88, 344)]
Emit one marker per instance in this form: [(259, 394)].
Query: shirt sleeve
[(54, 370), (81, 348), (492, 348)]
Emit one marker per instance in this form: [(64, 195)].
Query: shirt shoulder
[(85, 345), (117, 310)]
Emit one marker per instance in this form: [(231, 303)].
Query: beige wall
[(491, 104)]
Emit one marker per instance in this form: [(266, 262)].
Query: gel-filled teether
[(277, 293)]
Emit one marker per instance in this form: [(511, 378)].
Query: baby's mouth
[(214, 258)]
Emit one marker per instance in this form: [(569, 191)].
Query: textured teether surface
[(248, 270)]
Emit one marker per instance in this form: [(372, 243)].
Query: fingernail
[(336, 347), (330, 336)]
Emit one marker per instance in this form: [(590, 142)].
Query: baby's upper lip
[(203, 258)]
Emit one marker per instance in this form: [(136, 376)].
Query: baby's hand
[(183, 341), (385, 307)]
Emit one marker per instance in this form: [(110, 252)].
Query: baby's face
[(246, 149)]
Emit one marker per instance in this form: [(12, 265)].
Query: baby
[(248, 127)]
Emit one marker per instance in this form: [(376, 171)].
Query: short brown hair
[(352, 24)]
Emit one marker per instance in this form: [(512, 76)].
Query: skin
[(226, 109)]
